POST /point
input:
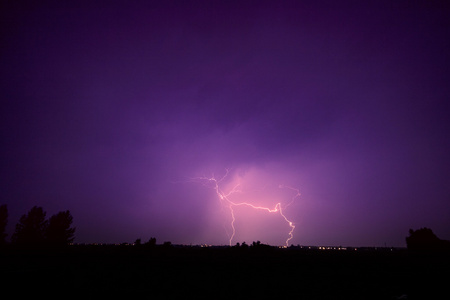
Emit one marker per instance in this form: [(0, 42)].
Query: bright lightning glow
[(225, 198)]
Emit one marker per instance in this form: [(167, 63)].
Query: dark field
[(228, 272)]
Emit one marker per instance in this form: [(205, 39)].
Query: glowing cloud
[(230, 192)]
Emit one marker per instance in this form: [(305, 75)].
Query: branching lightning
[(226, 200)]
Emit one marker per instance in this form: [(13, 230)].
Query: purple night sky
[(114, 110)]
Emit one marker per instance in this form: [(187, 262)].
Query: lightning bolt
[(224, 197)]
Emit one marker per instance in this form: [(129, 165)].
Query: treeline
[(33, 229), (254, 245), (151, 243)]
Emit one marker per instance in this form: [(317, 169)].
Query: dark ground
[(227, 272)]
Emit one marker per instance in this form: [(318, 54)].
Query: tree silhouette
[(31, 228), (59, 232), (256, 244), (167, 245), (3, 222), (151, 243), (425, 239)]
